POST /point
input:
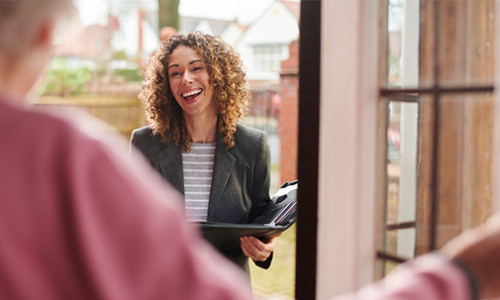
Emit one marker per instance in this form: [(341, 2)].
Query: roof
[(188, 24), (293, 6)]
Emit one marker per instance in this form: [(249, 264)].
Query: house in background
[(262, 42), (210, 26), (138, 34), (89, 46), (131, 30), (261, 37)]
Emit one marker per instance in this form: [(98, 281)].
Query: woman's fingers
[(255, 249)]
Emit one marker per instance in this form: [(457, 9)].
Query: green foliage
[(129, 74), (119, 55), (63, 80)]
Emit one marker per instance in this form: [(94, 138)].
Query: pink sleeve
[(78, 220), (133, 239), (429, 277), (91, 224)]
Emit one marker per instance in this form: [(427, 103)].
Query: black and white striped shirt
[(198, 166)]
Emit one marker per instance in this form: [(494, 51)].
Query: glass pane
[(465, 43), (394, 39), (390, 266), (401, 176), (406, 242), (403, 43), (384, 268), (463, 167)]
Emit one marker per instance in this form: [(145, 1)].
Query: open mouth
[(191, 94)]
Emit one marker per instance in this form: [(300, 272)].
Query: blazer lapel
[(223, 167), (170, 160)]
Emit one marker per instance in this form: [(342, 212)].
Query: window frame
[(436, 91), (327, 225), (312, 269)]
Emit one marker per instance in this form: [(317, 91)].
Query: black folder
[(278, 216)]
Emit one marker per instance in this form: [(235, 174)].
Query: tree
[(168, 13)]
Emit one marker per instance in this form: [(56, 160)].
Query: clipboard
[(225, 236), (282, 208), (278, 216)]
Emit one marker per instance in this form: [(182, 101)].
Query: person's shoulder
[(59, 135), (144, 131), (246, 132), (249, 140), (145, 135), (34, 124), (22, 116), (146, 140)]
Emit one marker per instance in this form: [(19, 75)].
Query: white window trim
[(348, 146), (407, 208)]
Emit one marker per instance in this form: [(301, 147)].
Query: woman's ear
[(45, 34)]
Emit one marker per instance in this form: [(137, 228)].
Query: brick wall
[(288, 114)]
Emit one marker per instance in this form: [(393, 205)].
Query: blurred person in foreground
[(195, 92), (78, 220)]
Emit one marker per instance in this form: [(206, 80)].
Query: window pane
[(403, 43), (384, 268), (465, 42), (269, 58), (463, 167), (401, 178)]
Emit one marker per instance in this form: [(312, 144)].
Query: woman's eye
[(173, 74)]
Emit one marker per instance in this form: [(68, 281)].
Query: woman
[(194, 91)]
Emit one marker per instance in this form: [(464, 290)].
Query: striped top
[(198, 166)]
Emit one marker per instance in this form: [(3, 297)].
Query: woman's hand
[(256, 249)]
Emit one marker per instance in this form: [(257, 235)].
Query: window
[(438, 95), (268, 57)]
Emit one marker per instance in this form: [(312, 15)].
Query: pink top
[(80, 221), (429, 277)]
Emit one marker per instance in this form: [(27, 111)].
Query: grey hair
[(19, 20)]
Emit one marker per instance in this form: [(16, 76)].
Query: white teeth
[(193, 92)]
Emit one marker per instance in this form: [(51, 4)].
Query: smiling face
[(190, 83)]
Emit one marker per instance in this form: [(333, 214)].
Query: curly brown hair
[(227, 77)]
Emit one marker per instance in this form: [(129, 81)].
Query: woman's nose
[(186, 79)]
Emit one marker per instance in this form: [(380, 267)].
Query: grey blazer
[(241, 178)]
